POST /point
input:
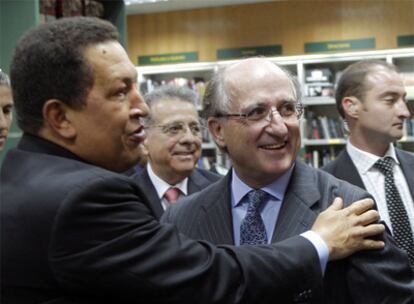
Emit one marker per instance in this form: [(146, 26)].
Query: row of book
[(322, 127), (198, 85), (320, 157), (53, 9)]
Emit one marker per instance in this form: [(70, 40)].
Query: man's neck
[(371, 146), (171, 179)]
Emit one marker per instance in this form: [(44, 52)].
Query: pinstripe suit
[(381, 276)]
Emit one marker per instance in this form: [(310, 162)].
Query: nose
[(188, 137), (276, 125), (403, 110), (138, 106), (3, 121), (273, 112)]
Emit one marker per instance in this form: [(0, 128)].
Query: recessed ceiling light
[(129, 2)]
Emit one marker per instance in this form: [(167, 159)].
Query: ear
[(216, 130), (351, 106), (55, 115)]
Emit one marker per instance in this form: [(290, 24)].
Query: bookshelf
[(317, 75)]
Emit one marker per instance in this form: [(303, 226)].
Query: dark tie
[(252, 228), (400, 222), (172, 194)]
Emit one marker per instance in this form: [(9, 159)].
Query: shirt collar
[(363, 160), (276, 189), (162, 186)]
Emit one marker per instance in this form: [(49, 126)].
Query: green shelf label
[(264, 50), (168, 58), (339, 45), (406, 40)]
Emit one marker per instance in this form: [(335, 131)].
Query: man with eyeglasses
[(253, 109), (173, 144)]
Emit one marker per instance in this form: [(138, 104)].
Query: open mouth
[(273, 146), (184, 153), (138, 135)]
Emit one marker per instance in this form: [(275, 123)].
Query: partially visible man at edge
[(6, 108), (371, 98), (74, 229)]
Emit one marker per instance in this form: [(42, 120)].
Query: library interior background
[(184, 42)]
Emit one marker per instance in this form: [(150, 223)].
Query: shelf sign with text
[(406, 40), (339, 45), (265, 50), (168, 58)]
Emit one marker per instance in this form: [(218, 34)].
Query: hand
[(345, 230)]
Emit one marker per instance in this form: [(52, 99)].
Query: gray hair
[(4, 79), (168, 92), (216, 100)]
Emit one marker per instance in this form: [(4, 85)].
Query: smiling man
[(174, 138), (253, 109), (370, 96)]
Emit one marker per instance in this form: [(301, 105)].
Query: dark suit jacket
[(198, 180), (76, 231), (343, 168), (381, 276)]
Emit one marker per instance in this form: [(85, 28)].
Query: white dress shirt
[(162, 186), (374, 181)]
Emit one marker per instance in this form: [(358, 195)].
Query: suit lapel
[(407, 166), (196, 182), (347, 171), (216, 222), (144, 181), (296, 215)]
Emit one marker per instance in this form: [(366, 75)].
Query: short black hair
[(48, 63), (353, 80)]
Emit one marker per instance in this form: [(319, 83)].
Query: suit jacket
[(344, 168), (198, 180), (380, 276), (71, 230)]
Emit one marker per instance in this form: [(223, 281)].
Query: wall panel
[(290, 23)]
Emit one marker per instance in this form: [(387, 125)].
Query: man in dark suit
[(253, 109), (370, 97), (173, 144)]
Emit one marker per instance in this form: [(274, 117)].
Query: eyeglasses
[(180, 128), (289, 111)]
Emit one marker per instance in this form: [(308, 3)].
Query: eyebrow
[(262, 103), (392, 93)]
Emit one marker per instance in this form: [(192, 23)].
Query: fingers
[(371, 245), (371, 230), (337, 204), (368, 217), (360, 206)]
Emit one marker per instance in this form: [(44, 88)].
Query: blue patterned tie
[(400, 222), (252, 228)]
